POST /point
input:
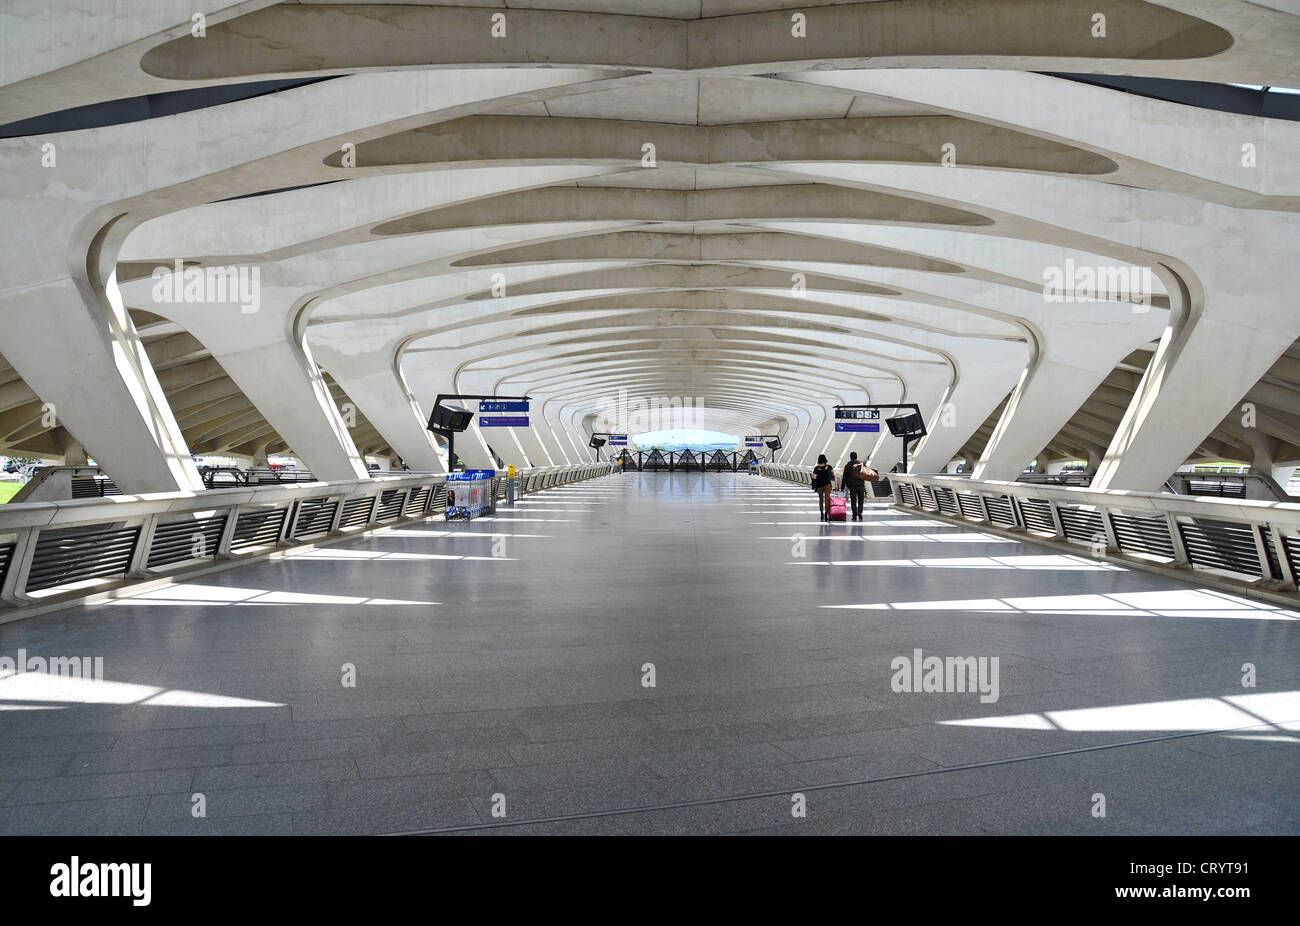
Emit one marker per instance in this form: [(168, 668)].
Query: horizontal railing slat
[(73, 541), (1238, 536)]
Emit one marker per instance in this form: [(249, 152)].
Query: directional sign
[(618, 440), (488, 406), (858, 414), (490, 413), (869, 426)]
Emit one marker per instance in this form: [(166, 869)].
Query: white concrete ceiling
[(818, 225)]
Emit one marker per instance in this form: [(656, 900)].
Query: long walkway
[(660, 653)]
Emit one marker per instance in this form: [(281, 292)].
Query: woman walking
[(823, 481)]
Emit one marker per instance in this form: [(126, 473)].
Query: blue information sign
[(495, 405), (503, 421), (872, 426)]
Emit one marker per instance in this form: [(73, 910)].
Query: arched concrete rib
[(781, 345), (106, 183), (453, 318), (325, 467), (1075, 348), (456, 320), (262, 353), (1124, 347), (259, 349), (927, 380), (984, 370), (892, 247), (1228, 314), (487, 139), (1194, 154), (115, 57), (710, 343), (325, 311), (298, 39)]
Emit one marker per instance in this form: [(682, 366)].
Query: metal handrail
[(61, 538), (1259, 540), (1047, 479), (802, 475), (1247, 485), (1246, 542), (1245, 510), (683, 460), (66, 482)]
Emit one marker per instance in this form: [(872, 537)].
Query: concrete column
[(382, 394), (73, 453), (1230, 274), (1067, 367), (1095, 456), (821, 428), (1206, 362), (275, 371), (566, 431), (1285, 473), (544, 429), (472, 448), (799, 433), (79, 352), (924, 385), (84, 356), (981, 384), (282, 381), (530, 441), (505, 443)]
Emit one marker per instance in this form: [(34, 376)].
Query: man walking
[(855, 480)]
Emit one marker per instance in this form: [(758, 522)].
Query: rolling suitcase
[(838, 508)]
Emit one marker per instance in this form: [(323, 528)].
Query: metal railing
[(802, 475), (271, 476), (1228, 485), (74, 548), (50, 483), (1052, 479), (1241, 540), (701, 461)]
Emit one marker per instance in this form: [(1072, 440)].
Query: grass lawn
[(8, 490)]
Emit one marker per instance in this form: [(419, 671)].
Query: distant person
[(855, 480), (823, 482)]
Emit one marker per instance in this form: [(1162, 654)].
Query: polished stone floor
[(503, 667)]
